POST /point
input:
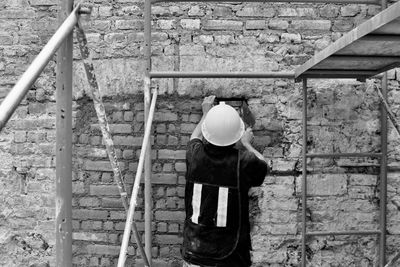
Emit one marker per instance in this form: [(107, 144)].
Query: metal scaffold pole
[(64, 145), (304, 178), (383, 168), (383, 176), (147, 166)]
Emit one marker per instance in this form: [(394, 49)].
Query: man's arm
[(206, 106), (246, 141), (256, 165)]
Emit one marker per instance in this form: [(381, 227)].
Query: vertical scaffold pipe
[(105, 129), (64, 142), (148, 201), (304, 178), (383, 167), (135, 190), (383, 176)]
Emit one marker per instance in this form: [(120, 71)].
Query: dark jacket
[(213, 168)]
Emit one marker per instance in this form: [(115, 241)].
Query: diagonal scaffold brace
[(139, 171), (393, 260), (105, 129), (386, 106)]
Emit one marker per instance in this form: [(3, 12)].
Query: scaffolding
[(336, 61)]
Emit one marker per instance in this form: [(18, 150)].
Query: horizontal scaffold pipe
[(239, 75), (344, 155), (370, 2), (370, 232), (14, 98)]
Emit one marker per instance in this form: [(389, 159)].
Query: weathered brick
[(100, 165), (222, 11), (85, 236), (180, 167), (205, 39), (165, 24), (29, 124), (16, 14), (268, 38), (121, 215), (108, 225), (128, 154), (19, 136), (78, 187), (128, 116), (363, 179), (342, 25), (89, 202), (94, 261), (190, 24), (306, 12), (223, 25), (36, 137), (105, 262), (189, 50), (188, 127), (329, 11), (349, 10), (171, 154), (287, 12), (168, 239), (278, 24), (6, 39), (196, 11), (173, 228), (256, 12), (164, 178), (256, 24), (91, 152), (167, 167), (169, 215), (91, 225), (224, 39), (129, 24), (105, 11), (318, 25), (43, 2), (291, 38), (180, 191), (165, 116), (95, 140), (104, 190), (89, 214), (127, 140), (111, 203)]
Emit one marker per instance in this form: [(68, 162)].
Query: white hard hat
[(222, 125)]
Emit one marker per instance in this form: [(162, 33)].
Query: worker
[(217, 228)]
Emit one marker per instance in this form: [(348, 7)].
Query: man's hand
[(246, 140), (247, 137), (207, 104)]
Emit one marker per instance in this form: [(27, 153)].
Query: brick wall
[(343, 117)]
